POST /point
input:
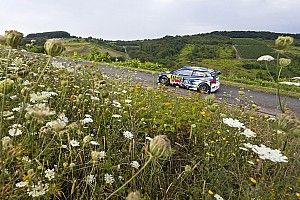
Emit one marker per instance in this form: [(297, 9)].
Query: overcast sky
[(140, 19)]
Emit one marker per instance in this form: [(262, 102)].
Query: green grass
[(206, 156), (246, 41), (253, 51), (83, 48)]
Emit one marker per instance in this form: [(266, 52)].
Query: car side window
[(199, 73), (183, 72)]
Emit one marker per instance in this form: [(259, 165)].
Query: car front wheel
[(164, 80)]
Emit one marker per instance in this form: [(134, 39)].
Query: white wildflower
[(50, 174), (39, 110), (57, 125), (97, 155), (15, 130), (10, 118), (17, 109), (233, 123), (64, 146), (95, 98), (74, 143), (135, 164), (26, 159), (88, 119), (266, 58), (267, 153), (248, 133), (193, 126), (21, 184), (128, 101), (218, 197), (109, 179), (26, 82), (38, 190), (13, 97), (7, 113), (290, 83), (94, 143), (90, 179), (116, 104), (251, 163), (243, 148), (128, 135), (116, 116)]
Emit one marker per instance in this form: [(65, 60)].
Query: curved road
[(266, 102)]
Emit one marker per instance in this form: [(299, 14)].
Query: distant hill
[(254, 34), (48, 35)]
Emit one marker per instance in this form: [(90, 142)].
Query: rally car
[(193, 78)]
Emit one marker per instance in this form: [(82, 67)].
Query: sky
[(145, 19)]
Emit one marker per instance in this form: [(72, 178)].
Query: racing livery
[(193, 78)]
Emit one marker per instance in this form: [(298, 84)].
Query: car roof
[(197, 68)]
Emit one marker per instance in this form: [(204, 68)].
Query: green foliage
[(254, 51), (246, 41), (97, 56), (134, 63)]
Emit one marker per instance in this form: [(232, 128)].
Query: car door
[(178, 76)]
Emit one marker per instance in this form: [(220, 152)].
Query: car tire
[(204, 88), (164, 80)]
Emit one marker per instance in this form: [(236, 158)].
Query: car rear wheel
[(204, 88), (164, 80)]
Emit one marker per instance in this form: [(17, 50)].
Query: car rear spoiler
[(216, 73)]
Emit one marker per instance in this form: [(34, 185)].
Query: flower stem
[(43, 71), (278, 86), (137, 173)]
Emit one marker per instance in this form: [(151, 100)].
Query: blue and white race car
[(193, 78)]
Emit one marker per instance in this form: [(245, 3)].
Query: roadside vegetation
[(68, 132)]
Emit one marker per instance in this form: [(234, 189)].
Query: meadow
[(69, 132)]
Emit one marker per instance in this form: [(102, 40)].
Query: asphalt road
[(266, 102)]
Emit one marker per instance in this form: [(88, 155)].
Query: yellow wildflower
[(252, 180)]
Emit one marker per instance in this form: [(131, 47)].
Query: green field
[(253, 51)]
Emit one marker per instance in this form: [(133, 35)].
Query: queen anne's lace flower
[(128, 135), (248, 133), (233, 123), (15, 130), (266, 58), (38, 190), (88, 119), (135, 164), (74, 143), (90, 179), (109, 179), (95, 143), (116, 104), (267, 153), (50, 174), (21, 184), (218, 197)]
